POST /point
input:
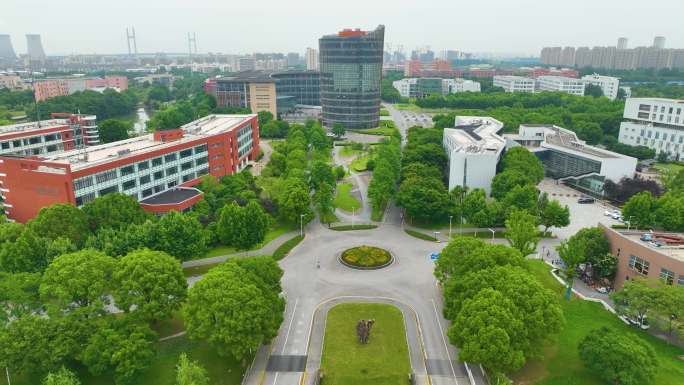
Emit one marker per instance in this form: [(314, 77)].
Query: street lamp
[(353, 212), (629, 221), (450, 216), (301, 225), (493, 232), (436, 234)]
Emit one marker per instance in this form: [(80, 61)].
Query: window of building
[(105, 176), (34, 140), (16, 143), (680, 280), (51, 148), (186, 166), (201, 161), (128, 170), (158, 175), (188, 177), (50, 137), (171, 170), (679, 111), (657, 135), (143, 165), (129, 184), (669, 111), (202, 172), (5, 145), (86, 198), (171, 184), (201, 149), (662, 109), (157, 162), (145, 179), (158, 188), (186, 153), (639, 265), (146, 192), (170, 157), (82, 183), (667, 276), (108, 190)]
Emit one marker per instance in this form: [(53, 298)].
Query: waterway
[(141, 118)]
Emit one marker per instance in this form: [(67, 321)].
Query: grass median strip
[(419, 235), (286, 247), (353, 227), (382, 361), (344, 200)]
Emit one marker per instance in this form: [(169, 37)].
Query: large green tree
[(553, 214), (424, 198), (504, 182), (572, 253), (149, 284), (618, 358), (19, 295), (294, 201), (112, 130), (180, 235), (62, 220), (115, 210), (123, 347), (640, 210), (63, 376), (78, 280), (30, 344), (488, 332), (522, 232), (522, 160), (230, 311), (637, 298), (465, 255)]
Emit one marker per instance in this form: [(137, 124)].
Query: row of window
[(19, 143), (112, 174), (641, 266)]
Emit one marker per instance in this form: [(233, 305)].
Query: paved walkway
[(265, 146)]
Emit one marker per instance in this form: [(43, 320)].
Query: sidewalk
[(268, 249)]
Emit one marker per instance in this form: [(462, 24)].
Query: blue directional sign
[(434, 256)]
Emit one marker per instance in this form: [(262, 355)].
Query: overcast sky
[(245, 26)]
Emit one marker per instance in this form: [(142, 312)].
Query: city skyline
[(229, 28)]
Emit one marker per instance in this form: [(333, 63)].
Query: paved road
[(408, 281)]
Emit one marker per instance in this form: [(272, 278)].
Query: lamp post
[(436, 234), (493, 232), (629, 221), (301, 225), (353, 213), (450, 216)]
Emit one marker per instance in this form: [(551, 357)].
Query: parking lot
[(412, 118), (581, 214)]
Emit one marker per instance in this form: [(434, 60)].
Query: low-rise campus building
[(474, 149), (646, 254), (512, 83), (561, 84), (656, 123), (567, 158), (156, 169), (609, 84), (63, 132)]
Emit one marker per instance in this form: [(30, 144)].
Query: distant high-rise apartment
[(622, 43), (293, 59), (34, 46), (659, 42), (351, 71), (312, 59), (567, 57), (247, 63), (6, 49)]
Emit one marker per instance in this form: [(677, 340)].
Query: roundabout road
[(409, 280)]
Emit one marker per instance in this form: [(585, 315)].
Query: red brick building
[(158, 169)]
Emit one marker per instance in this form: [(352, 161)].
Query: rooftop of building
[(201, 128), (513, 77), (557, 78), (669, 244), (39, 125), (663, 100), (247, 76), (476, 135), (172, 196), (564, 138)]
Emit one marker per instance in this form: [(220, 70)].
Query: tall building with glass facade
[(351, 72)]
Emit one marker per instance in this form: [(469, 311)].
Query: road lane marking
[(441, 332), (287, 335)]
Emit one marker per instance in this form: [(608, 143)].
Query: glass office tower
[(351, 71)]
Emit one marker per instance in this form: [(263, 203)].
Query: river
[(141, 118)]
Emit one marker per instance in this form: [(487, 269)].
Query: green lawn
[(378, 214), (284, 249), (199, 270), (383, 131), (669, 167), (560, 363), (383, 361), (344, 200), (419, 235), (272, 234), (359, 164), (221, 370), (348, 151)]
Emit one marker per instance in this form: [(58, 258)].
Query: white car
[(608, 213)]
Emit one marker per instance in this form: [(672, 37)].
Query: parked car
[(640, 322), (586, 200)]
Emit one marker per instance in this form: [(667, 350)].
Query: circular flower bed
[(366, 257)]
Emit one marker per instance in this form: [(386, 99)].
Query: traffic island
[(366, 258)]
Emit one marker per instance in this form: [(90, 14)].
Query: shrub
[(283, 250), (366, 256)]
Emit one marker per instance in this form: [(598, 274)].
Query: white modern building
[(656, 123), (569, 159), (407, 87), (609, 85), (474, 148), (453, 86), (514, 83), (561, 84)]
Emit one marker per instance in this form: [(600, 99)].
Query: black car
[(586, 200)]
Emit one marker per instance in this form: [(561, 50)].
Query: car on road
[(586, 200)]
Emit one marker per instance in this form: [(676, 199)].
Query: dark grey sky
[(244, 26)]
